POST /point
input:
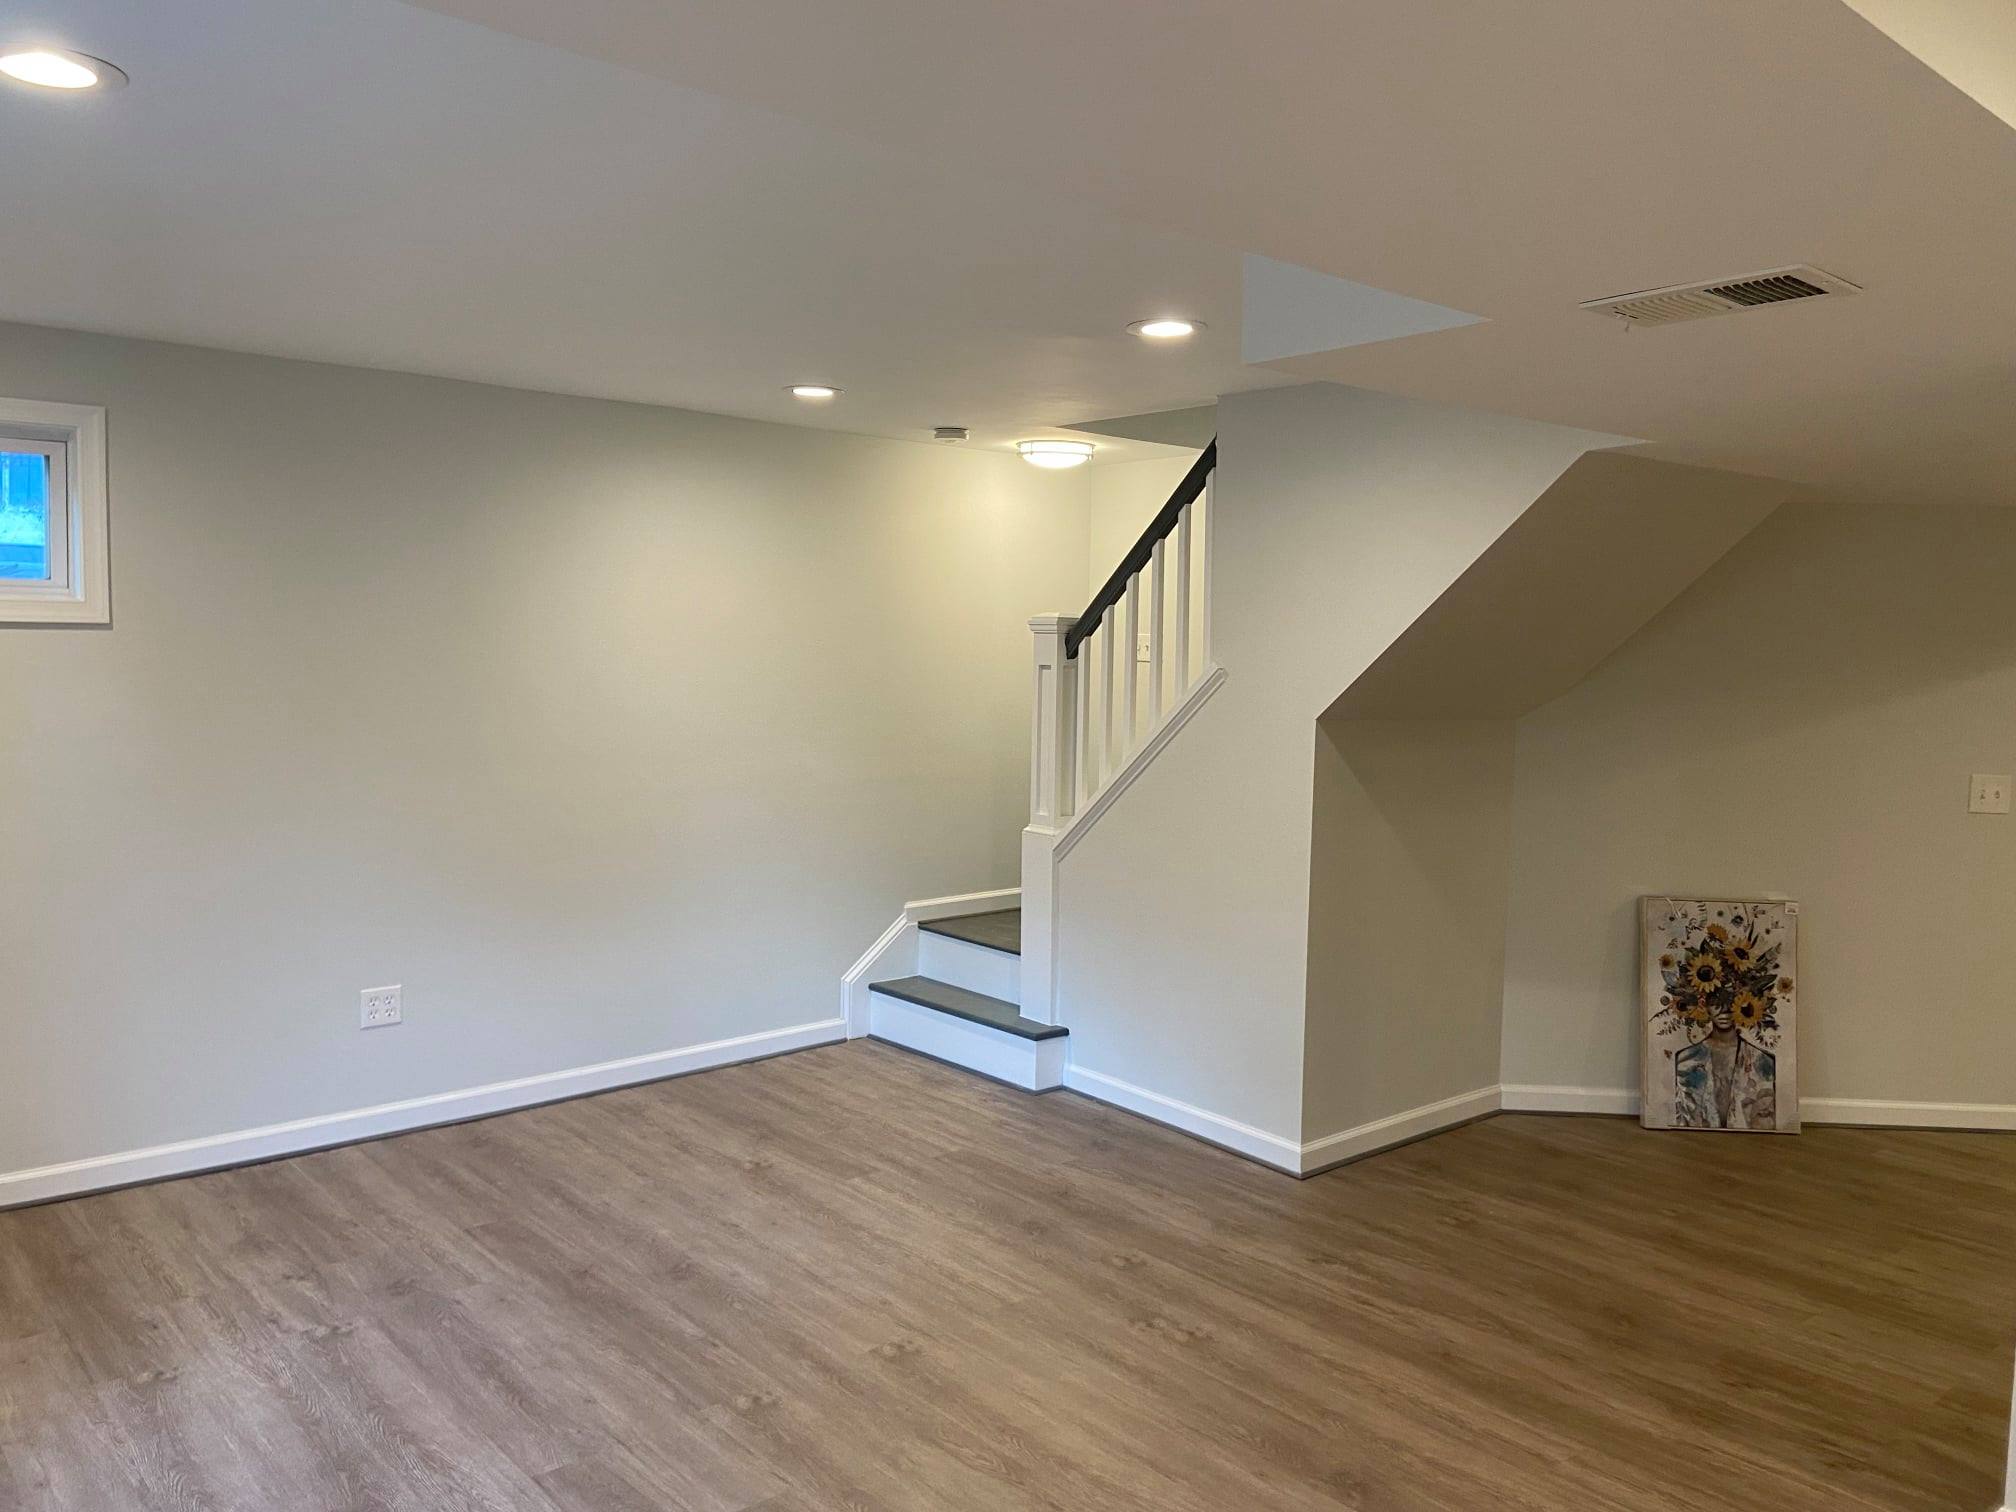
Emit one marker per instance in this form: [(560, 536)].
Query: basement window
[(53, 557)]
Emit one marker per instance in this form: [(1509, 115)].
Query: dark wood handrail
[(1158, 531)]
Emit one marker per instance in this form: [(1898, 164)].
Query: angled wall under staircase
[(1340, 516), (1411, 820)]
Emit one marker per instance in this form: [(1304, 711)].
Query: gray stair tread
[(1000, 930), (975, 1007)]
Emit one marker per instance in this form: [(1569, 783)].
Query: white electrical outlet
[(1988, 793), (379, 1007)]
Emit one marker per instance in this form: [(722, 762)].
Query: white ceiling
[(952, 210), (1507, 160), (360, 181)]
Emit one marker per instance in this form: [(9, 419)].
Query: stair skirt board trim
[(1139, 762), (247, 1146), (1401, 1128), (1241, 1139), (893, 955), (960, 904), (1032, 1065), (1849, 1111)]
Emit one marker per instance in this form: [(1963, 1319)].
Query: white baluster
[(1081, 679), (1107, 758), (1157, 608), (1182, 603), (1204, 655), (1132, 713)]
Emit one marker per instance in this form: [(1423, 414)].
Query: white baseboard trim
[(185, 1157), (1271, 1149), (1517, 1098), (1400, 1128), (1256, 1144), (1984, 1117)]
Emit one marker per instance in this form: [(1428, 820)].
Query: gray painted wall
[(1185, 913), (603, 729), (1802, 720)]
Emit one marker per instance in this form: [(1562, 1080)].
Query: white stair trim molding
[(1048, 841), (1171, 724), (1032, 1065), (1400, 1128), (299, 1136), (1848, 1111), (894, 953), (1213, 1128), (958, 905)]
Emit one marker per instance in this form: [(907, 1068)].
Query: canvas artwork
[(1721, 1016)]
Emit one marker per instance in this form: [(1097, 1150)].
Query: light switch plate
[(1988, 793)]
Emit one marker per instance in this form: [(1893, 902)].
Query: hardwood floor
[(853, 1278)]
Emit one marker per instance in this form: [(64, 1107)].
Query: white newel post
[(1053, 788), (1052, 736)]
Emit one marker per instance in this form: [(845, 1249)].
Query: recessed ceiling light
[(812, 391), (1055, 454), (1166, 328), (52, 68)]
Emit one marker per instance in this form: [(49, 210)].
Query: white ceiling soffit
[(1613, 541), (1186, 429), (1508, 160), (1292, 312), (1970, 43)]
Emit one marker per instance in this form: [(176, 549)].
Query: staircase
[(972, 980), (963, 1004)]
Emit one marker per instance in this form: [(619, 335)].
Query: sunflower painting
[(1718, 984)]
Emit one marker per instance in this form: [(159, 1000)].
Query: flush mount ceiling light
[(1166, 328), (1055, 454), (53, 68), (812, 391)]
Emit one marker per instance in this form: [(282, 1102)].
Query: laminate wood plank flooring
[(854, 1278)]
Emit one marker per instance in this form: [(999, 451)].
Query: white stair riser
[(974, 967), (1033, 1065)]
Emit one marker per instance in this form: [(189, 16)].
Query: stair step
[(1000, 930), (974, 1007)]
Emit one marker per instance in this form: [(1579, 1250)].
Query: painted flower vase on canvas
[(1720, 1014)]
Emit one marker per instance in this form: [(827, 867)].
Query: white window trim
[(81, 593)]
